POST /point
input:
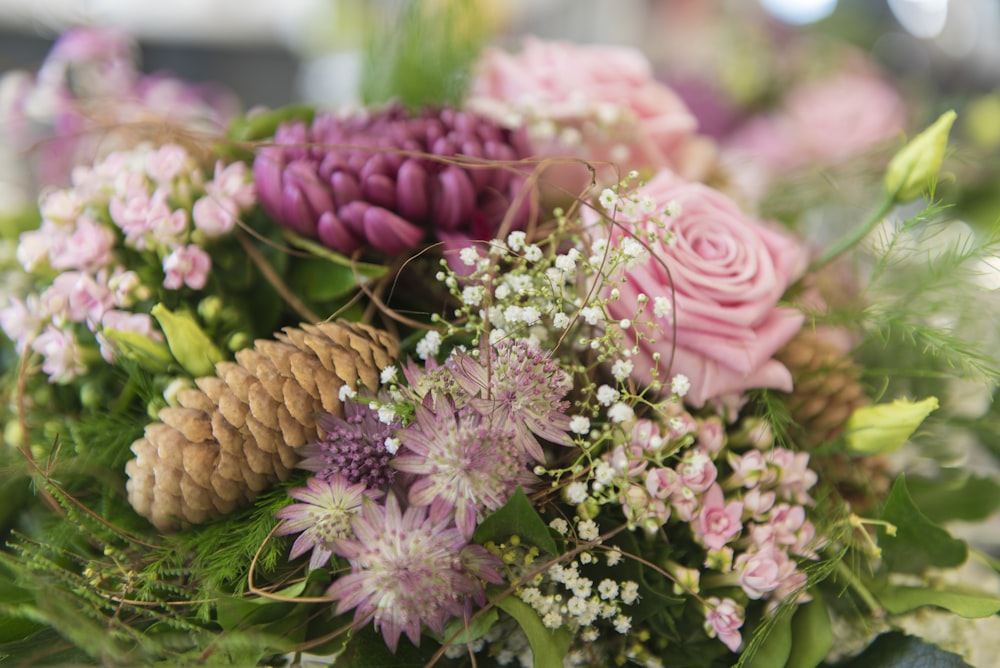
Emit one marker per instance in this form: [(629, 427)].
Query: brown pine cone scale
[(238, 433)]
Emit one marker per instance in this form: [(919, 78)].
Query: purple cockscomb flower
[(354, 447), (322, 518), (463, 462), (519, 387), (409, 570), (372, 181)]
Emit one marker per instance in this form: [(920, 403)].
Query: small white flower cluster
[(564, 597)]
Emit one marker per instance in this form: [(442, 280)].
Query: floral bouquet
[(521, 379)]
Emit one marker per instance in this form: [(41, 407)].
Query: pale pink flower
[(167, 162), (34, 246), (762, 571), (750, 469), (795, 478), (61, 354), (727, 272), (78, 297), (323, 517), (685, 503), (756, 502), (696, 471), (187, 265), (408, 571), (126, 287), (661, 482), (87, 248), (786, 521), (60, 206), (21, 320), (233, 182), (214, 216), (723, 619), (717, 522), (711, 435)]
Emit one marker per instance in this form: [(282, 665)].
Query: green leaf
[(366, 649), (263, 125), (466, 634), (318, 279), (364, 269), (775, 649), (812, 635), (899, 600), (919, 543), (896, 650), (548, 646), (963, 497), (519, 518)]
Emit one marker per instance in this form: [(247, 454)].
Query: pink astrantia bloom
[(726, 273), (188, 265), (723, 619), (323, 517), (408, 571), (717, 522), (464, 464), (353, 447), (62, 358), (518, 386)]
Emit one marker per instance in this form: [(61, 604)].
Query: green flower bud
[(239, 341), (191, 347), (883, 428), (916, 166), (210, 308), (144, 351)]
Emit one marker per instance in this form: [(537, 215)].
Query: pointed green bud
[(188, 342), (883, 428), (144, 351), (915, 168)]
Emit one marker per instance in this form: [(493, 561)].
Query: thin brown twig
[(276, 282)]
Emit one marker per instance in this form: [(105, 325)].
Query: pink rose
[(728, 272), (595, 102)]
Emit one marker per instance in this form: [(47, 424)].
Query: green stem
[(854, 236), (855, 583)]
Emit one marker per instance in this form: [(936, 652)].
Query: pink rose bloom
[(820, 123), (594, 102), (718, 522), (728, 272), (723, 619)]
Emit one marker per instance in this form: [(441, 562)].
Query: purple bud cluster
[(386, 180)]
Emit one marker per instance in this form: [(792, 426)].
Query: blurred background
[(274, 53)]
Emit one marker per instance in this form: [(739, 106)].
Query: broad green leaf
[(318, 279), (262, 125), (366, 649), (548, 646), (519, 518), (898, 600), (775, 649), (896, 650), (364, 269), (466, 634), (919, 543), (812, 635), (968, 498)]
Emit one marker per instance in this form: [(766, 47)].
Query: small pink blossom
[(62, 358), (697, 471), (795, 478), (126, 287), (233, 181), (20, 320), (786, 521), (756, 502), (87, 248), (167, 163), (214, 215), (750, 469), (661, 482), (628, 462), (77, 297), (763, 570), (60, 206), (717, 522), (723, 619), (33, 247), (188, 265), (685, 503), (711, 435)]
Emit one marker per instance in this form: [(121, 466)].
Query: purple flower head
[(322, 518), (409, 570), (462, 462), (354, 447), (518, 386), (368, 181)]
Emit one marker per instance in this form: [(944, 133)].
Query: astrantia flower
[(518, 385), (322, 518), (358, 182), (354, 447), (464, 463), (409, 570)]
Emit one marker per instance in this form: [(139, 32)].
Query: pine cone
[(372, 180), (237, 434), (826, 391)]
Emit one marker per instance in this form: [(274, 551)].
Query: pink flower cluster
[(151, 201), (747, 511), (88, 87)]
